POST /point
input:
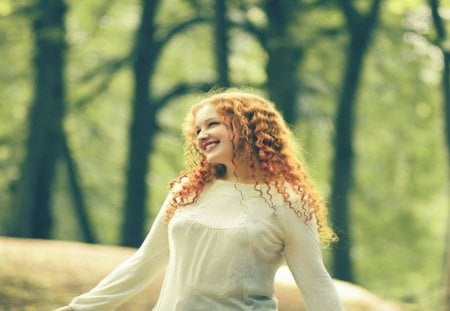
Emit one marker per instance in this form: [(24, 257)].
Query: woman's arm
[(304, 257), (132, 275)]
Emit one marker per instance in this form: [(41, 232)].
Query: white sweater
[(221, 254)]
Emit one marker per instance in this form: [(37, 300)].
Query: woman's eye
[(208, 125)]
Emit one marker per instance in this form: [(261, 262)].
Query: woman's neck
[(241, 174)]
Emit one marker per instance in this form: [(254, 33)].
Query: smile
[(210, 145)]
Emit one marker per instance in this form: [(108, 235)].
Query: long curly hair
[(261, 138)]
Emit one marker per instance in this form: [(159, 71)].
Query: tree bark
[(360, 28), (221, 46), (284, 57), (33, 218), (77, 194), (141, 129)]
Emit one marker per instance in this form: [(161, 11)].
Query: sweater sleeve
[(303, 256), (133, 275)]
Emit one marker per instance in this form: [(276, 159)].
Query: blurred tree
[(33, 218), (284, 55), (46, 138), (143, 123), (399, 183), (147, 49), (360, 27), (221, 37), (442, 41), (284, 52), (77, 193)]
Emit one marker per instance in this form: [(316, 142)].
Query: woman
[(244, 206)]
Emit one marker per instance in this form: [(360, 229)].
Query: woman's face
[(213, 137)]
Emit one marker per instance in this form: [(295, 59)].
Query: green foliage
[(399, 203), (15, 93), (401, 182)]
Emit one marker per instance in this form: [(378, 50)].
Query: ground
[(42, 275)]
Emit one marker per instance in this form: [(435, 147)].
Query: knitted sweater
[(222, 254)]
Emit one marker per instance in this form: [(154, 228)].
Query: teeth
[(210, 145)]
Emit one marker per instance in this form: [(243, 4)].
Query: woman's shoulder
[(283, 193), (290, 202), (178, 184)]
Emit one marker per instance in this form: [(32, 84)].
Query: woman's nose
[(203, 135)]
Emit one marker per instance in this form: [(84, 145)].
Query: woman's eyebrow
[(206, 120)]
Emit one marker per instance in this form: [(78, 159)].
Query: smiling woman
[(244, 206), (213, 138)]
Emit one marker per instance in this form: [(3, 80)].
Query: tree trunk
[(77, 194), (33, 218), (342, 176), (284, 57), (221, 37), (360, 29), (142, 126)]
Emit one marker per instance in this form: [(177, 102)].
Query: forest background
[(93, 94)]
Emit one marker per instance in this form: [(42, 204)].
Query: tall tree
[(77, 193), (284, 56), (441, 41), (146, 105), (32, 202), (221, 37), (360, 27), (284, 53), (142, 125)]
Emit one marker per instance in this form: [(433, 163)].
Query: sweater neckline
[(234, 183), (249, 189)]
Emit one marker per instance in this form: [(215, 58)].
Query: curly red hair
[(262, 138)]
